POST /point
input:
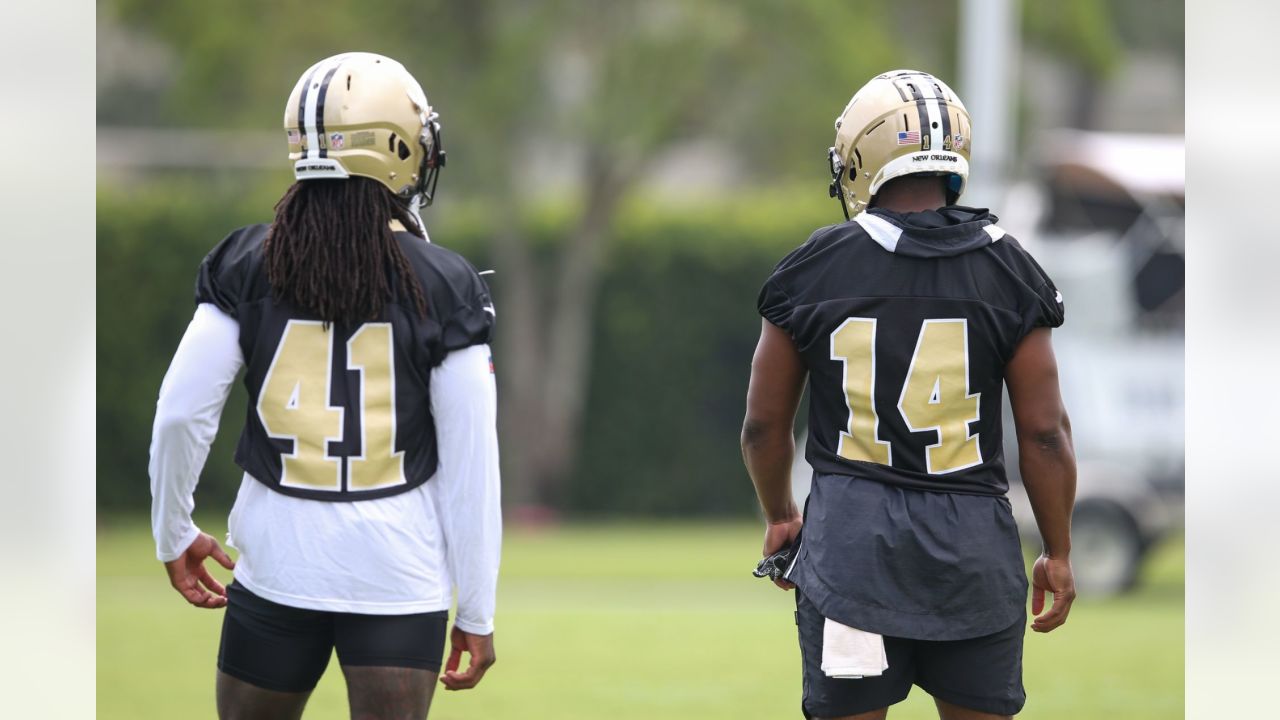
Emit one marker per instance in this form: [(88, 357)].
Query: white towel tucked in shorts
[(849, 653)]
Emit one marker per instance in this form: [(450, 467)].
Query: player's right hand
[(1051, 575), (189, 576), (479, 647), (779, 535)]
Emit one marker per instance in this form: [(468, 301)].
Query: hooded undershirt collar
[(945, 232)]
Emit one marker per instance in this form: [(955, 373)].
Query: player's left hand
[(189, 576), (1052, 575), (779, 535), (479, 647)]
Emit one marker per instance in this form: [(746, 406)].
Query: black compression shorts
[(983, 673), (286, 649)]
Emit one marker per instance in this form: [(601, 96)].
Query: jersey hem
[(898, 623), (908, 479)]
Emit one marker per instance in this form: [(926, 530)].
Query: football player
[(371, 486), (907, 320)]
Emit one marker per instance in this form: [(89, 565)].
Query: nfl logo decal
[(336, 141), (909, 138), (958, 141), (295, 137)]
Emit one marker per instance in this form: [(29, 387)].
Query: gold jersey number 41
[(294, 405)]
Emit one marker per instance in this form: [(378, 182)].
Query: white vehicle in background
[(1126, 404), (1110, 232), (1106, 222)]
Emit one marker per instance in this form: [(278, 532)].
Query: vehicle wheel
[(1106, 549)]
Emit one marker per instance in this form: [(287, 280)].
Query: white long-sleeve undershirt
[(395, 555)]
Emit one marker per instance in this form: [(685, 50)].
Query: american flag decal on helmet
[(910, 137)]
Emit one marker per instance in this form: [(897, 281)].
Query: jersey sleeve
[(776, 301), (223, 273), (467, 486), (458, 301), (1044, 308), (471, 322), (191, 400)]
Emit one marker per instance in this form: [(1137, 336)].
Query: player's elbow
[(758, 432), (172, 422), (1050, 435)]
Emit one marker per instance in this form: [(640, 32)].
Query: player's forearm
[(1048, 465), (768, 449), (176, 458), (474, 545), (473, 535)]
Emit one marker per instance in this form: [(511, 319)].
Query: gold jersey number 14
[(935, 396), (294, 405)]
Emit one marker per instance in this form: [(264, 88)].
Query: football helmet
[(363, 114), (903, 122)]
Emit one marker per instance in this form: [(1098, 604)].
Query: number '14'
[(935, 396)]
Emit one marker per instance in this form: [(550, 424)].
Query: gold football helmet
[(903, 122), (363, 114)]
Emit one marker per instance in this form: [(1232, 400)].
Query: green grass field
[(635, 621)]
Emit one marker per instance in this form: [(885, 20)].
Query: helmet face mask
[(903, 122), (362, 114)]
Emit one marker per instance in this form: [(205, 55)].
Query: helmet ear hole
[(403, 151)]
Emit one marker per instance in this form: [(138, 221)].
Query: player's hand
[(479, 647), (779, 535), (1051, 575), (191, 578)]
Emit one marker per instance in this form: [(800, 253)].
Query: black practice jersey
[(341, 412), (905, 323)]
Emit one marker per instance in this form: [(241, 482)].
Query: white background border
[(47, 288), (1233, 356)]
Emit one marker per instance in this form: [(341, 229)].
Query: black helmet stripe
[(914, 87), (324, 90), (932, 105), (311, 109), (302, 110), (945, 110)]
